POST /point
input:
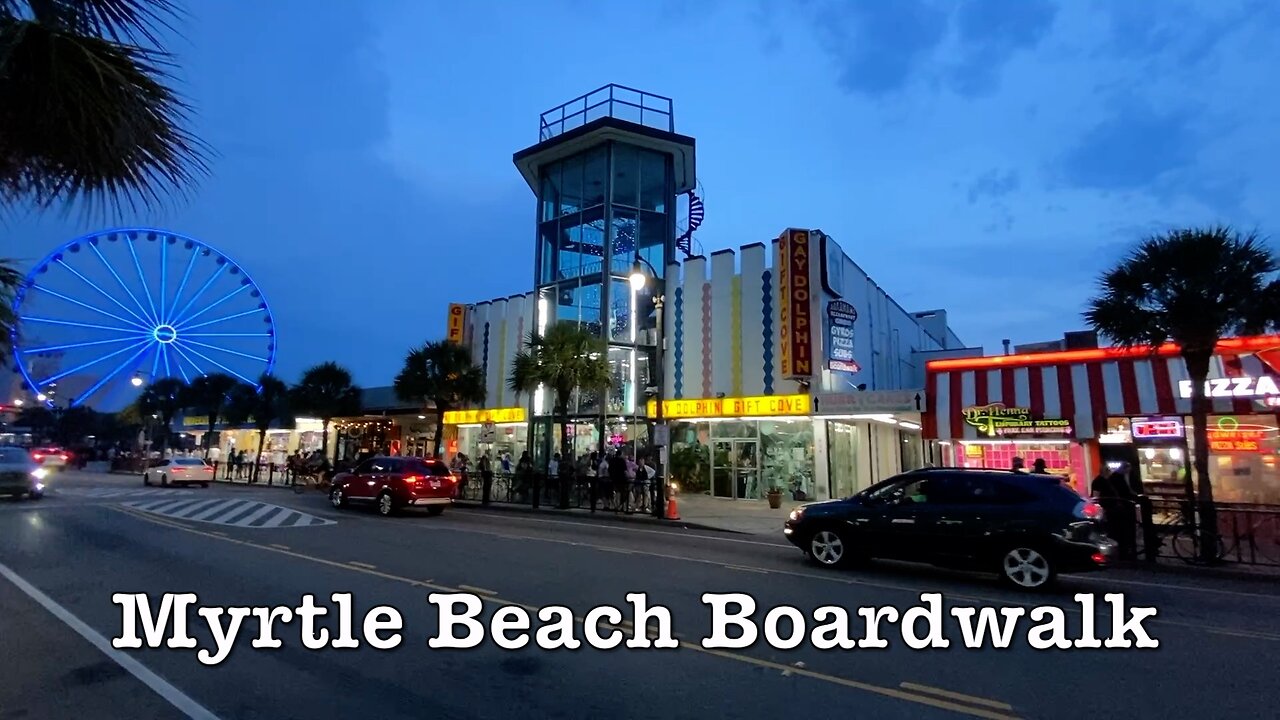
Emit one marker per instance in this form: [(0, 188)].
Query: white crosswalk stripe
[(235, 512), (103, 493)]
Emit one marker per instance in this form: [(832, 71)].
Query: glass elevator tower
[(607, 170)]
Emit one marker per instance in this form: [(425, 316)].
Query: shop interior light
[(909, 425)]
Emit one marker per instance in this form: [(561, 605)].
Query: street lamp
[(638, 281), (137, 380)]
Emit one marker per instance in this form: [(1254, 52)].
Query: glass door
[(722, 474), (747, 469)]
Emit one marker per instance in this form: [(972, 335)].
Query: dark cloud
[(994, 184), (990, 33), (880, 46), (1131, 149), (883, 47)]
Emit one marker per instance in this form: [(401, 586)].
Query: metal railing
[(1167, 527), (537, 490), (616, 101)]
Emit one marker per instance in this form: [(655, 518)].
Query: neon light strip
[(104, 293), (51, 321), (228, 296), (185, 276), (221, 319), (164, 274), (1226, 346), (70, 346), (87, 306), (119, 279), (200, 292), (228, 370), (221, 349), (134, 252), (91, 363)]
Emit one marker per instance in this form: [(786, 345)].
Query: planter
[(775, 500)]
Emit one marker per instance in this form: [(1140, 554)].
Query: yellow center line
[(478, 590), (930, 690), (895, 693)]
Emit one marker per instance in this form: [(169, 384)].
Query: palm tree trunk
[(1198, 371), (262, 438), (437, 452), (208, 436), (324, 439)]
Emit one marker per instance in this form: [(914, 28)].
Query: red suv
[(392, 483)]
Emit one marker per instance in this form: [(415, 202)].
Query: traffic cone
[(672, 513)]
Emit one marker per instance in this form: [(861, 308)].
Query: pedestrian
[(1111, 489), (1039, 467), (616, 467), (1018, 465), (486, 477)]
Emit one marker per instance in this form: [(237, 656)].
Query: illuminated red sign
[(1236, 440), (1156, 428)]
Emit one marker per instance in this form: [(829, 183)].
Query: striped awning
[(1086, 387)]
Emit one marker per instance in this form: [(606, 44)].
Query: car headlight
[(39, 486), (795, 514), (40, 473)]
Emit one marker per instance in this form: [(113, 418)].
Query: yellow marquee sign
[(759, 406), (475, 417)]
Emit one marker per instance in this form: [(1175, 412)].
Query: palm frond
[(92, 119)]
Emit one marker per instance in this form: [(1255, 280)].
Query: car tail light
[(411, 479), (38, 456), (1098, 558), (1089, 510), (64, 456)]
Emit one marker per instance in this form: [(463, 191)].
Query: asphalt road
[(62, 559)]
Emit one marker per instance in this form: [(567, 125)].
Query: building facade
[(1081, 409)]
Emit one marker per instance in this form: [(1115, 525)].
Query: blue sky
[(989, 157)]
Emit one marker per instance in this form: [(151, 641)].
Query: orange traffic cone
[(672, 513)]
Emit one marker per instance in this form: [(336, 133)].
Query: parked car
[(20, 475), (51, 457), (393, 483), (180, 471), (1025, 527)]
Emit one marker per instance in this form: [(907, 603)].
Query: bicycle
[(318, 480)]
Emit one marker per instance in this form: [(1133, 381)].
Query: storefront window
[(690, 456), (912, 453), (788, 459), (843, 450), (1063, 459), (1243, 458)]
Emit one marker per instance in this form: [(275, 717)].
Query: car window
[(437, 469), (364, 468), (910, 490), (14, 455), (188, 461), (381, 465)]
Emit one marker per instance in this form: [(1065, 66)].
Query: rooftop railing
[(616, 101)]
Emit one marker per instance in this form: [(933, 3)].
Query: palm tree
[(440, 373), (267, 405), (564, 359), (86, 108), (1192, 287), (326, 391), (10, 281), (210, 395), (165, 397)]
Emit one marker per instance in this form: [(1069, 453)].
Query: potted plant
[(775, 497)]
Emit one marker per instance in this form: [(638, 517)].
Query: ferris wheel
[(114, 310)]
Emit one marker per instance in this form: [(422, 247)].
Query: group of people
[(1118, 490), (619, 481)]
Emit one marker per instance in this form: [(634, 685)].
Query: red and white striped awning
[(1087, 386)]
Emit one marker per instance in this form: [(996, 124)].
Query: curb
[(603, 517), (1262, 574)]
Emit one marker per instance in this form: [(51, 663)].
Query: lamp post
[(638, 281)]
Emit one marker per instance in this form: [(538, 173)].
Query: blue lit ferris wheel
[(113, 310)]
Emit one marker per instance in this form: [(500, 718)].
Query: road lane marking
[(1174, 586), (1241, 633), (477, 590), (175, 697), (277, 545), (744, 568), (930, 690), (362, 565), (895, 693), (616, 528)]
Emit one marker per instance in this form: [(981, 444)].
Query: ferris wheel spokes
[(133, 251), (73, 346), (90, 363), (116, 275), (200, 292), (70, 323), (224, 368), (87, 306), (132, 360), (104, 293), (178, 322)]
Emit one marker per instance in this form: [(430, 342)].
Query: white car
[(179, 471), (20, 475)]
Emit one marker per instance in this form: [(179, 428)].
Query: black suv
[(1025, 527)]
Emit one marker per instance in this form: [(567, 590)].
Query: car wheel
[(35, 495), (1026, 568), (435, 509), (164, 481), (146, 480), (337, 498), (386, 504), (828, 548)]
